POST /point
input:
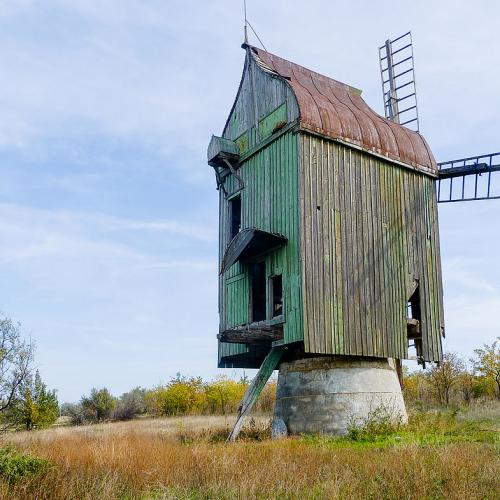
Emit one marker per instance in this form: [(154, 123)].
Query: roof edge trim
[(415, 168)]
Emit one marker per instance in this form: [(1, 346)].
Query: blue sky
[(108, 211)]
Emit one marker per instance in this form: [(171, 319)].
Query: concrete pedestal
[(326, 394)]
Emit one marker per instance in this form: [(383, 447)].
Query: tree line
[(456, 381), (180, 396), (27, 403)]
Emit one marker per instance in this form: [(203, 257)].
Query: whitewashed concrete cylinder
[(328, 394)]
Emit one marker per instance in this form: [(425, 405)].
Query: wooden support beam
[(269, 364)]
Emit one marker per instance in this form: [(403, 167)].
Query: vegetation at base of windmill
[(144, 459), (426, 428), (15, 466), (383, 420), (251, 431), (34, 406)]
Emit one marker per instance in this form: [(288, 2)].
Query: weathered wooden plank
[(269, 364), (361, 250), (339, 216)]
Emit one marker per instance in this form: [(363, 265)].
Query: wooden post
[(269, 364)]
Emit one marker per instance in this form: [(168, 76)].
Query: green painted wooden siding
[(270, 201), (269, 122), (368, 228)]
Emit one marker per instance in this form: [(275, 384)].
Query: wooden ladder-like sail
[(269, 364)]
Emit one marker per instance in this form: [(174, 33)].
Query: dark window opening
[(277, 296), (414, 333), (234, 216), (258, 291), (413, 306)]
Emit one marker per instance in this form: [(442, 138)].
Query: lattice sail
[(398, 81), (472, 178)]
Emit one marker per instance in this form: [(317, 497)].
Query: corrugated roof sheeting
[(336, 110)]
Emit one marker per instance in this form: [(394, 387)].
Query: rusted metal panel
[(368, 231), (322, 101)]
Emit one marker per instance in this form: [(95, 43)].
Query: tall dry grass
[(146, 459)]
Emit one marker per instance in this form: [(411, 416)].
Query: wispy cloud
[(107, 207)]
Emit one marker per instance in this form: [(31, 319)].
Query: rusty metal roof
[(337, 110)]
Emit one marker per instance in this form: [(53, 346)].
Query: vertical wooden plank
[(339, 252)]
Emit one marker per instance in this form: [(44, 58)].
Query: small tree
[(130, 405), (16, 357), (487, 362), (98, 406), (466, 386), (445, 375), (35, 407)]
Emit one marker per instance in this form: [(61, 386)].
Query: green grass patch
[(423, 429), (15, 466)]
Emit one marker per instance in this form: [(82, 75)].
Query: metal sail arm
[(468, 179)]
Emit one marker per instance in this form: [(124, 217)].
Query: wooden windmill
[(328, 238)]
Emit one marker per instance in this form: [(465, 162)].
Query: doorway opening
[(258, 291)]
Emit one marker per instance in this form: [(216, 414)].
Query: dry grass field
[(437, 456)]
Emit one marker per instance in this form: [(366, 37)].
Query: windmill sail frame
[(478, 169), (399, 89)]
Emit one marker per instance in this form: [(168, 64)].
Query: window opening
[(258, 291), (413, 306), (234, 216), (276, 296), (414, 332)]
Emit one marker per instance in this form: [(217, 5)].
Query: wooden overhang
[(221, 149), (249, 245), (336, 110)]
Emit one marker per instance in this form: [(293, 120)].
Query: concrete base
[(327, 394)]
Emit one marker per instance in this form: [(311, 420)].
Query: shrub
[(76, 413), (380, 421), (483, 387), (224, 394), (179, 397), (98, 406), (15, 466), (130, 405), (253, 431), (487, 363), (445, 375), (35, 407)]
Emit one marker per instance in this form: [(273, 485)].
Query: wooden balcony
[(254, 333)]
